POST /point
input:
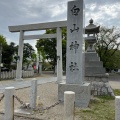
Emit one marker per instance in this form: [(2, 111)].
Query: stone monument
[(93, 65), (75, 56), (94, 70)]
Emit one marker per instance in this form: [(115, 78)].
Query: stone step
[(91, 57), (93, 64), (94, 70)]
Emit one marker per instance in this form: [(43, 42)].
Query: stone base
[(82, 93), (20, 79), (100, 85), (97, 78)]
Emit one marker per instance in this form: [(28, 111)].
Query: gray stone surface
[(33, 94), (75, 56), (96, 78), (9, 103), (59, 55), (95, 74), (23, 84), (20, 54), (82, 93), (117, 108), (69, 105), (100, 85), (93, 63), (38, 26), (94, 70), (91, 56)]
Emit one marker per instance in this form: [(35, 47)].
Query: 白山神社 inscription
[(74, 46)]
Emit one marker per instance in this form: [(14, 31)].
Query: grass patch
[(106, 97), (117, 92), (100, 108)]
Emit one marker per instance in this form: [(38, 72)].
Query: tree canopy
[(7, 54), (7, 51), (107, 46), (3, 40), (28, 54), (47, 47)]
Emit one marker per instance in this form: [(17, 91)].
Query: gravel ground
[(48, 96), (18, 118), (48, 93)]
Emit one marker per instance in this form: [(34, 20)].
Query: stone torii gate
[(40, 26)]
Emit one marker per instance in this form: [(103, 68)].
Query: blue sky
[(18, 12)]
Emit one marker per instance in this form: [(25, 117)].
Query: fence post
[(117, 107), (69, 105), (33, 93), (9, 103)]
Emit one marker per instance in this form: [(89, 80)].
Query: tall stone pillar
[(59, 55), (74, 66), (20, 57), (75, 56)]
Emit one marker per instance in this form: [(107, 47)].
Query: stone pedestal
[(95, 74), (82, 93), (93, 65)]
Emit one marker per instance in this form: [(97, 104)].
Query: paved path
[(27, 82), (113, 80)]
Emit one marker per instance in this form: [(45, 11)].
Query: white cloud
[(110, 10), (15, 12), (92, 7), (104, 14), (58, 10)]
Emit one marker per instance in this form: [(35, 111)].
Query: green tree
[(7, 51), (28, 54), (7, 54), (107, 45), (47, 47), (3, 40), (114, 61)]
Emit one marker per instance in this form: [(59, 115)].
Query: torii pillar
[(59, 55), (20, 57)]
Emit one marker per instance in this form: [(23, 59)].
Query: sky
[(20, 12)]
